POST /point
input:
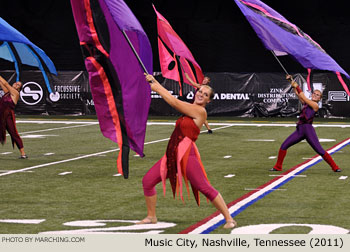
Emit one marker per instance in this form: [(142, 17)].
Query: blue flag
[(15, 47)]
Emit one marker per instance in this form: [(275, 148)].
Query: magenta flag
[(174, 56)]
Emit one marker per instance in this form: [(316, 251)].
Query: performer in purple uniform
[(305, 130), (7, 114)]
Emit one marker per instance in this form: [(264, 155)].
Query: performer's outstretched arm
[(3, 84), (195, 84), (198, 113)]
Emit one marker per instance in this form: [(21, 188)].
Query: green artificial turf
[(89, 191)]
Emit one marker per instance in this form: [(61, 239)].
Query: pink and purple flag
[(120, 92), (283, 37), (174, 56)]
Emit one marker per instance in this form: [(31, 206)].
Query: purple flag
[(283, 37), (118, 86)]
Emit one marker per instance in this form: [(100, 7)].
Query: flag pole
[(182, 68), (181, 77), (273, 53), (134, 51)]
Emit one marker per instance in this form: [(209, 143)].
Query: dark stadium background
[(216, 32)]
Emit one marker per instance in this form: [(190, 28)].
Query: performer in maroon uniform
[(305, 130), (182, 158), (7, 114)]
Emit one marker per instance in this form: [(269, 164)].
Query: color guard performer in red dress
[(7, 114), (182, 159), (206, 81)]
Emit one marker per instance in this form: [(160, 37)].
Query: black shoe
[(274, 169), (337, 170), (210, 131), (23, 157)]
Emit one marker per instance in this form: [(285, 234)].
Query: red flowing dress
[(8, 121), (181, 161)]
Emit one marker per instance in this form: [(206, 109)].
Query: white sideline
[(85, 123), (173, 123), (260, 124)]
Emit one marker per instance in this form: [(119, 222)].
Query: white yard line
[(55, 122), (28, 221), (223, 126), (56, 162), (82, 157), (43, 130), (81, 124)]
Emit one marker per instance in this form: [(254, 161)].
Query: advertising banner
[(73, 88), (236, 94), (239, 95)]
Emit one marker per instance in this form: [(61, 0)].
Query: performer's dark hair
[(20, 89), (209, 80)]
